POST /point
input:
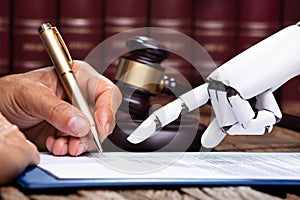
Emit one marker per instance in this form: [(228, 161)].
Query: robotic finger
[(170, 112), (230, 110), (229, 107), (267, 115), (267, 101), (213, 135), (156, 120), (261, 124), (222, 108)]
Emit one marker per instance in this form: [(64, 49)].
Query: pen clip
[(64, 46)]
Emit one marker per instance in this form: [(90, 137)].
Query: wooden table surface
[(280, 140)]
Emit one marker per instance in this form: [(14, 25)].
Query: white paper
[(213, 165)]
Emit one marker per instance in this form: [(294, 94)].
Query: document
[(190, 165)]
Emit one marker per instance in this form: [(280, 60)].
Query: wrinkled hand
[(36, 103), (16, 153)]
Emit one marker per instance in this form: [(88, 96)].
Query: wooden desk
[(205, 193), (279, 140)]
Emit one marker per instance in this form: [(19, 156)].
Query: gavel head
[(140, 74)]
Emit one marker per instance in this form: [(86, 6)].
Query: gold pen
[(63, 62)]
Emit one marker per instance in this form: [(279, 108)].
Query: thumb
[(61, 114)]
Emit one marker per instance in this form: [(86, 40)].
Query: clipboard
[(38, 178)]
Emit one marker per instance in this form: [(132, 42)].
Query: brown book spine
[(174, 16), (81, 25), (258, 19), (28, 50), (290, 91), (120, 16), (4, 37), (215, 27)]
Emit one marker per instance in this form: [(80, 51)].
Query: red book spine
[(123, 15), (120, 16), (81, 25), (290, 97), (4, 37), (28, 50), (258, 20), (174, 16), (291, 13), (215, 27), (290, 91)]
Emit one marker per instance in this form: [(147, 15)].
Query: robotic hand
[(252, 75)]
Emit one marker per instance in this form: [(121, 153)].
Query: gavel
[(140, 76)]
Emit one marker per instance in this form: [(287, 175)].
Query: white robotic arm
[(253, 74)]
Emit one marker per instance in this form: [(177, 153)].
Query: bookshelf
[(223, 28)]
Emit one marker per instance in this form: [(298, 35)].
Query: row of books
[(223, 27)]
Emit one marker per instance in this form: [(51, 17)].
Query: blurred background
[(223, 27)]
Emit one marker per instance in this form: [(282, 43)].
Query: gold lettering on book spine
[(31, 64), (81, 45), (125, 21), (258, 29), (215, 47), (215, 28), (80, 22), (33, 47)]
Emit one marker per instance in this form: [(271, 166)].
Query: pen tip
[(96, 138)]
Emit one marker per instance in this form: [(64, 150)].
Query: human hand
[(16, 153), (34, 101)]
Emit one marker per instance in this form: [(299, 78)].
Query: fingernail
[(63, 150), (78, 125), (81, 149)]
